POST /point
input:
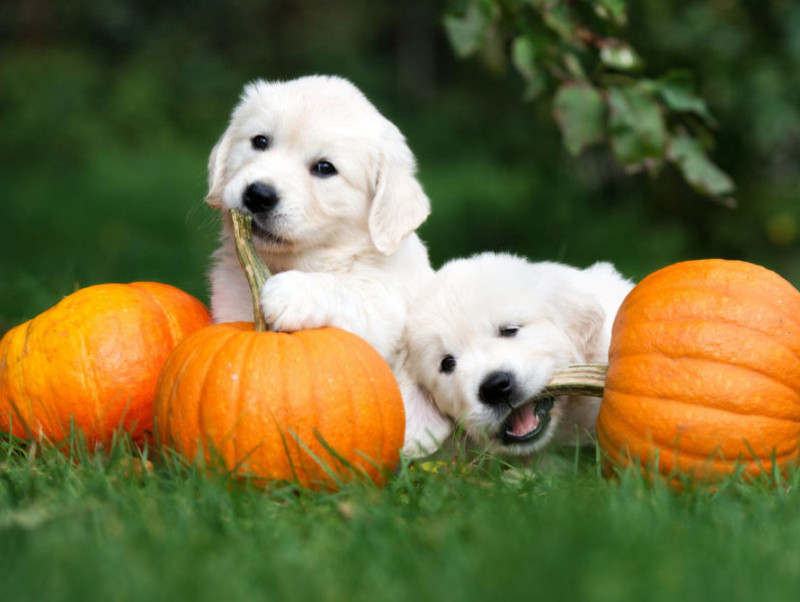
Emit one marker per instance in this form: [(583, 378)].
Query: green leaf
[(636, 125), (534, 88), (705, 177), (676, 90), (523, 56), (619, 55), (613, 10), (467, 33), (579, 111), (557, 18)]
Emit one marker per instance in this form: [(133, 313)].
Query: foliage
[(108, 112), (573, 50)]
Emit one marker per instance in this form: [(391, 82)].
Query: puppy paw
[(296, 300)]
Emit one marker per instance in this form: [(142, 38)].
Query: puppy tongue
[(523, 421)]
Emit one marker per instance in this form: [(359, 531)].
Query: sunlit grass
[(127, 523)]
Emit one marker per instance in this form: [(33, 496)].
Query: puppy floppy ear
[(399, 204), (583, 318), (426, 426), (216, 169)]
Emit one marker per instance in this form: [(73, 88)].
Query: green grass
[(102, 529)]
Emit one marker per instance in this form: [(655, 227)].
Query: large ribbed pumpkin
[(704, 372), (316, 406), (93, 360)]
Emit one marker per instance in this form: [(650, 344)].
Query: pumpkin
[(316, 407), (704, 372), (92, 361)]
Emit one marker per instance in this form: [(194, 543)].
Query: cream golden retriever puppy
[(331, 187), (486, 334)]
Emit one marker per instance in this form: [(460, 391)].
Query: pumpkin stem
[(580, 379), (254, 267)]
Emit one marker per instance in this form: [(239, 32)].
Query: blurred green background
[(108, 110)]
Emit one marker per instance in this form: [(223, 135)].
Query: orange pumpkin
[(317, 407), (274, 405), (704, 372), (93, 360)]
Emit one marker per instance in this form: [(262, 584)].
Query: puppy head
[(485, 337), (318, 167)]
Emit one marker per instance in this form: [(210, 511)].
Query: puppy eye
[(447, 365), (508, 331), (260, 142), (323, 169)]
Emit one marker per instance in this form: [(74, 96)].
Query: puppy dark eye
[(323, 169), (260, 142), (447, 365), (508, 331)]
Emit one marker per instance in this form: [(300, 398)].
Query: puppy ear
[(584, 318), (216, 168), (399, 204), (426, 426)]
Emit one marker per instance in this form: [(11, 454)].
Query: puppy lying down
[(486, 334)]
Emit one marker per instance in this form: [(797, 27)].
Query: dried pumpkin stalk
[(254, 267), (578, 379)]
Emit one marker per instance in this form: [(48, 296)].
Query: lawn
[(127, 525)]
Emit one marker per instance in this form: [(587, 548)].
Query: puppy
[(331, 187), (330, 184), (485, 336)]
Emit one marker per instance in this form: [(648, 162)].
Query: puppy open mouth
[(527, 422)]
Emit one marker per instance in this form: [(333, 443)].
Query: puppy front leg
[(295, 300)]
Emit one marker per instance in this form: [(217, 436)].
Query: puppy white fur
[(485, 336), (330, 184)]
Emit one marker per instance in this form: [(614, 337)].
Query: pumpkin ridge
[(683, 402), (228, 429), (183, 357), (640, 439), (730, 274), (21, 367), (172, 322), (350, 373), (237, 395), (290, 355), (373, 464), (210, 349), (700, 360), (22, 402), (248, 452), (632, 441), (700, 356), (680, 461), (766, 334), (340, 382), (289, 439)]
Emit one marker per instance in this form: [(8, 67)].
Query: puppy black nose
[(496, 388), (259, 197)]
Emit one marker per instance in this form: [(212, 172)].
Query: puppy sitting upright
[(486, 334), (330, 185)]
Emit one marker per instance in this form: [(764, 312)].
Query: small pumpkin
[(93, 360), (317, 407), (704, 372)]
